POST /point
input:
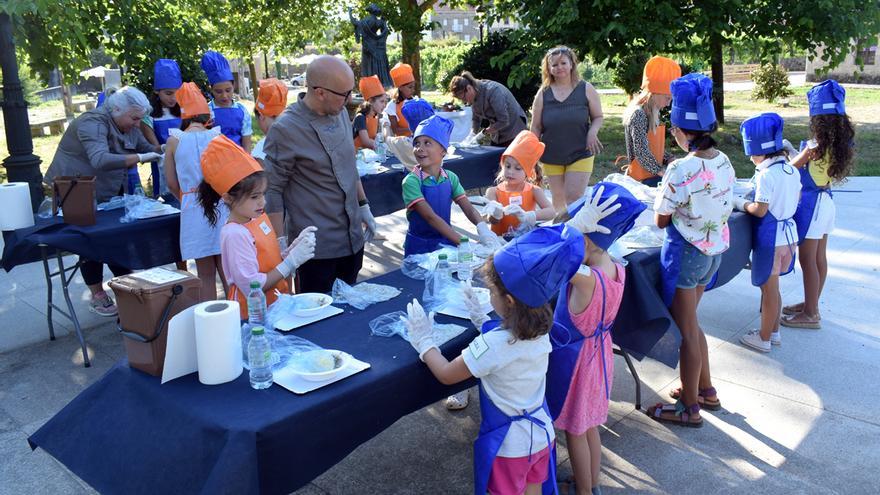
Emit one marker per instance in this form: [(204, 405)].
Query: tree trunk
[(66, 97), (715, 45), (409, 44), (255, 86)]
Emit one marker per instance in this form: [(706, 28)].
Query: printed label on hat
[(265, 228), (516, 200), (691, 116), (826, 106), (478, 346), (261, 105), (768, 144)]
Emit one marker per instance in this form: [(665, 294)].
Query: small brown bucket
[(75, 197)]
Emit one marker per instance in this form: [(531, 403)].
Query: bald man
[(313, 177)]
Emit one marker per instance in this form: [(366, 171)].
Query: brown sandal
[(676, 414), (793, 309), (702, 398), (800, 320)]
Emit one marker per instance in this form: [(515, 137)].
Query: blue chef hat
[(166, 74), (827, 97), (436, 128), (762, 134), (216, 67), (692, 107), (618, 222), (534, 266), (416, 110)]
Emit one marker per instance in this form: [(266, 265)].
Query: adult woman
[(567, 116), (105, 143), (645, 136), (490, 101)]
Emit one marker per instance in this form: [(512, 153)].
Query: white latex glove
[(788, 147), (494, 210), (812, 144), (588, 218), (148, 157), (419, 326), (487, 237), (529, 218), (306, 236), (475, 310), (163, 146), (369, 223), (739, 203), (296, 256)]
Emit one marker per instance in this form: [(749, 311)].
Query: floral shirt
[(698, 193)]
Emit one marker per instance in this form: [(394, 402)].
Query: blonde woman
[(645, 136), (566, 116)]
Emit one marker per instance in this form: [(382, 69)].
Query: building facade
[(464, 24), (849, 70)]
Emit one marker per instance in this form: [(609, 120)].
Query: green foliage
[(439, 62), (771, 83), (627, 73), (597, 74)]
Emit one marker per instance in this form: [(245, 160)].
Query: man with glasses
[(310, 160)]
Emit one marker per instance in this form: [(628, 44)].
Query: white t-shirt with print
[(513, 374), (698, 193), (779, 185)]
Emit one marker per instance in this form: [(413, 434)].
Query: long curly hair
[(834, 133)]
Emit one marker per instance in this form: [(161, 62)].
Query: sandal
[(793, 309), (800, 320), (681, 414), (702, 398)]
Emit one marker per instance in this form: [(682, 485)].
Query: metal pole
[(22, 165)]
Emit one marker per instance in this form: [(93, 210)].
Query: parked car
[(298, 80)]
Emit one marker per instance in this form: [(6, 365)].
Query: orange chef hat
[(191, 100), (526, 148), (225, 164), (370, 87), (659, 72), (402, 74), (272, 97)]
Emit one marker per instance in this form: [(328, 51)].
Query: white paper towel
[(15, 206), (180, 350), (218, 341)]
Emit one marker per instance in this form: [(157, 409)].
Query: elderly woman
[(105, 143), (490, 101)]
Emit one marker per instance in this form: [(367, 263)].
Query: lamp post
[(22, 165)]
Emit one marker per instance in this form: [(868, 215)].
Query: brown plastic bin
[(144, 311), (76, 198)]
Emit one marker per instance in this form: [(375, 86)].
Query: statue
[(371, 32)]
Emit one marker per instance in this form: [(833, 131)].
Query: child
[(272, 100), (519, 197), (693, 204), (827, 158), (366, 122), (581, 365), (429, 190), (514, 452), (165, 115), (774, 234), (248, 245), (230, 116), (405, 81)]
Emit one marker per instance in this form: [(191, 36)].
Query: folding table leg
[(49, 304), (634, 373), (62, 273)]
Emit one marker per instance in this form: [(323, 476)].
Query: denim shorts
[(696, 268)]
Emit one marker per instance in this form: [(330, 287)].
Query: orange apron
[(372, 129), (525, 199), (401, 122), (657, 145), (268, 257)]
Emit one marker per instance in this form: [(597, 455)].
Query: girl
[(429, 190), (366, 122), (518, 198), (693, 204), (402, 75), (514, 452), (645, 135), (248, 245), (230, 116), (271, 101), (164, 116), (566, 116), (582, 365), (827, 158)]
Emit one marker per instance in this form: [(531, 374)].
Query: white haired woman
[(105, 143)]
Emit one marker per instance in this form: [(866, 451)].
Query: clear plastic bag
[(363, 294), (138, 206), (391, 324), (282, 307), (284, 347)]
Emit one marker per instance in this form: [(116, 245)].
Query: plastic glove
[(739, 203), (369, 223), (306, 236), (163, 146), (487, 237), (475, 309), (296, 256), (528, 218), (148, 157), (588, 218), (788, 147), (494, 210), (419, 326)]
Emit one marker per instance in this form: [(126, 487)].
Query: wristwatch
[(362, 202)]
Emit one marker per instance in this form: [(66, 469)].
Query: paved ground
[(802, 419)]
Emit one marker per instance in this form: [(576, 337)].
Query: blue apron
[(811, 194), (133, 180), (229, 119), (421, 237), (567, 343), (161, 128), (670, 263), (764, 243), (494, 426)]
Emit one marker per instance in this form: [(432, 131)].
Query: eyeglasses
[(344, 95)]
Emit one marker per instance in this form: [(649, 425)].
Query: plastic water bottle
[(442, 276), (256, 301), (260, 359), (465, 260), (381, 149)]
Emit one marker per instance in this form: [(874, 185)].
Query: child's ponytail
[(834, 133), (209, 199)]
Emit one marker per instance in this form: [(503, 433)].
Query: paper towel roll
[(15, 206), (218, 341)]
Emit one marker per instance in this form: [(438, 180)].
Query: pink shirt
[(238, 255)]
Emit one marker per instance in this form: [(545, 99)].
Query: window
[(444, 22), (467, 38), (466, 22), (866, 51), (455, 22)]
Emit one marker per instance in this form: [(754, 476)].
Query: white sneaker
[(458, 401), (753, 339), (776, 338)]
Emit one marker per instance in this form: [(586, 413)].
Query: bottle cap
[(257, 331), (441, 256), (463, 239), (255, 284)]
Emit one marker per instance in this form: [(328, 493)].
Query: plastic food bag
[(137, 207), (284, 347), (646, 236), (363, 294), (391, 324), (643, 193), (283, 306)]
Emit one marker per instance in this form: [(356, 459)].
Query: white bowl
[(341, 361), (310, 303)]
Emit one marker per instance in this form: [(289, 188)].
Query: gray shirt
[(93, 145), (312, 173), (495, 103), (565, 125)]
